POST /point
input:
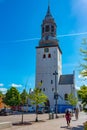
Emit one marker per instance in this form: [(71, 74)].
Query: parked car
[(6, 112), (40, 110), (31, 109), (27, 108), (43, 109)]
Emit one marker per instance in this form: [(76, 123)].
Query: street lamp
[(55, 93)]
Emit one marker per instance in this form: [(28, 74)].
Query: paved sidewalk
[(54, 124)]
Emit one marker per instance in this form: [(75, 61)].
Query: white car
[(31, 109)]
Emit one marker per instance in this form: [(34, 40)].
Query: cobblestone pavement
[(54, 124)]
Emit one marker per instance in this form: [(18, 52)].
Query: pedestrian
[(76, 113), (68, 117)]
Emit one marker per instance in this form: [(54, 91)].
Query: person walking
[(76, 113), (68, 117)]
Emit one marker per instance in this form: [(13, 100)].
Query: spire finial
[(49, 3), (48, 14), (48, 11)]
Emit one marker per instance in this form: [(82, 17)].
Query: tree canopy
[(72, 99), (82, 93), (37, 97), (83, 65), (12, 97), (24, 96)]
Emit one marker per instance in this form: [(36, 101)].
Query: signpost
[(56, 93)]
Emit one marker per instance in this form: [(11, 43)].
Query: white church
[(49, 65)]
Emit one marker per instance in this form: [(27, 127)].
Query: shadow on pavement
[(20, 123), (65, 127), (79, 127), (27, 122)]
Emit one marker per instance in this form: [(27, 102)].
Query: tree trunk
[(36, 114), (22, 118)]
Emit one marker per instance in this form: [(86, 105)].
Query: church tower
[(48, 58)]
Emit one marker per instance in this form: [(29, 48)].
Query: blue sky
[(20, 31)]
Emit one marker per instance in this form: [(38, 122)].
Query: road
[(44, 122)]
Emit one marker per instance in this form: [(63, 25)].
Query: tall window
[(49, 55), (41, 81), (44, 56), (51, 81), (43, 89), (66, 96), (52, 28), (52, 89), (47, 28), (43, 30)]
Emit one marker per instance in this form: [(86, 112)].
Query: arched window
[(47, 28), (44, 56), (43, 89), (51, 81), (49, 55), (52, 89), (66, 96), (43, 30), (52, 28), (41, 81)]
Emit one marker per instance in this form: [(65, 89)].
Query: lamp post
[(55, 93)]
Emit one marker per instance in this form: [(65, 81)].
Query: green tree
[(12, 97), (72, 99), (82, 93), (83, 65), (23, 96), (37, 97), (1, 94)]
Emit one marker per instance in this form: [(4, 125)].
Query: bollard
[(50, 116)]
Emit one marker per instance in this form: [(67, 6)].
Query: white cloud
[(1, 84), (3, 90), (77, 87), (82, 80), (81, 77), (16, 85)]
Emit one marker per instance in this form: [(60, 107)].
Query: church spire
[(48, 14), (48, 26)]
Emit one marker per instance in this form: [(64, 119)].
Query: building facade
[(49, 64)]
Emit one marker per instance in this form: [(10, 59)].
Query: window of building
[(41, 81), (49, 55), (52, 28), (66, 96), (47, 37), (43, 30), (43, 89), (52, 89), (46, 49), (51, 81), (47, 28), (44, 56)]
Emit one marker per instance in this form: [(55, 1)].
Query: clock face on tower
[(46, 49)]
